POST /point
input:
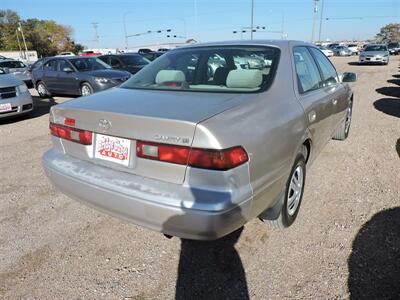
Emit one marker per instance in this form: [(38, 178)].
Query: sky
[(208, 20)]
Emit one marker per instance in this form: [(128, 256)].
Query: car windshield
[(89, 64), (210, 69), (13, 64), (134, 60), (375, 48)]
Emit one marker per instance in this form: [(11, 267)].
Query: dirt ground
[(345, 243)]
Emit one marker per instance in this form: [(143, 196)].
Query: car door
[(333, 87), (68, 82), (316, 102), (115, 63), (50, 75)]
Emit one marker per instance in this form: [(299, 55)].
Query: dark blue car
[(75, 76)]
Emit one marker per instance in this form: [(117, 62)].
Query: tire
[(86, 89), (42, 90), (342, 132), (291, 206)]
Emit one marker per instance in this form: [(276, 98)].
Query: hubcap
[(85, 91), (295, 191), (348, 120), (41, 89)]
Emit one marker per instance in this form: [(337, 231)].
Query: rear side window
[(327, 69), (308, 76), (50, 65)]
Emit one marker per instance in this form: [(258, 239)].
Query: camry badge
[(104, 125)]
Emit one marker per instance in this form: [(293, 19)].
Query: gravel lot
[(344, 244)]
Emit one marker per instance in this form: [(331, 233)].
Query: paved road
[(345, 243)]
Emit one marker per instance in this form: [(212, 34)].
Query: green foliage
[(45, 36), (390, 32)]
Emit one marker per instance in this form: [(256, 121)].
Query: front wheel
[(342, 132), (293, 194), (42, 90), (86, 89)]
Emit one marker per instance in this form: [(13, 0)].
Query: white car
[(66, 54), (353, 48), (326, 51)]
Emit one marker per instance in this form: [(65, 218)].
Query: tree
[(45, 36), (390, 32)]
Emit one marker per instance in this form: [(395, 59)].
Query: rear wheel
[(42, 90), (293, 193), (342, 132), (86, 89)]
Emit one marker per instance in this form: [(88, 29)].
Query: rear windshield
[(89, 64), (393, 45), (12, 64), (210, 69), (134, 60), (375, 48)]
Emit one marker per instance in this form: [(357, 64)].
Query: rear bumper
[(143, 201), (373, 60)]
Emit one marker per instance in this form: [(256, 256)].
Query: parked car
[(18, 69), (341, 51), (144, 50), (353, 48), (394, 48), (89, 53), (66, 54), (374, 53), (128, 62), (15, 98), (166, 154), (152, 55), (2, 57), (74, 75), (333, 45), (326, 51)]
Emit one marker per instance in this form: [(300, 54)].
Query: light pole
[(19, 45), (314, 19), (126, 34), (23, 39), (252, 19), (320, 20)]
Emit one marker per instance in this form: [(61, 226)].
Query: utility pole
[(23, 39), (96, 36), (252, 19), (320, 20), (19, 45), (314, 19)]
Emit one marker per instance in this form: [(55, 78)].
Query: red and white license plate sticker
[(5, 107), (113, 149)]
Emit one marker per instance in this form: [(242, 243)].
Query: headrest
[(170, 75), (244, 79)]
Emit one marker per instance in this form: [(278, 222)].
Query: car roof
[(276, 43)]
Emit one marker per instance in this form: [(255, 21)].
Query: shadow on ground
[(391, 91), (374, 263), (41, 107), (398, 147), (396, 76), (390, 106), (394, 81), (211, 270)]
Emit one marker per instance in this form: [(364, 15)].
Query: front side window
[(308, 77), (210, 69), (328, 71), (89, 64), (50, 65), (134, 60), (63, 64)]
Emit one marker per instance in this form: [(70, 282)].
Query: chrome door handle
[(334, 101)]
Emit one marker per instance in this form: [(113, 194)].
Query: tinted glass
[(63, 64), (375, 48), (134, 60), (210, 69), (89, 64), (328, 71), (308, 76), (50, 65), (105, 59), (14, 64), (37, 64)]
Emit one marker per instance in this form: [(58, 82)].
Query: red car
[(89, 53)]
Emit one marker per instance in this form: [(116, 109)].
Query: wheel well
[(307, 144)]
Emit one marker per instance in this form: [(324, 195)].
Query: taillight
[(200, 158), (80, 136)]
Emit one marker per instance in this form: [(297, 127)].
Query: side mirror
[(349, 77), (67, 70)]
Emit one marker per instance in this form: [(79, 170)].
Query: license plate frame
[(5, 107)]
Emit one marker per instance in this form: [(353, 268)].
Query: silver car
[(374, 53), (197, 154), (18, 69), (342, 51), (15, 98)]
